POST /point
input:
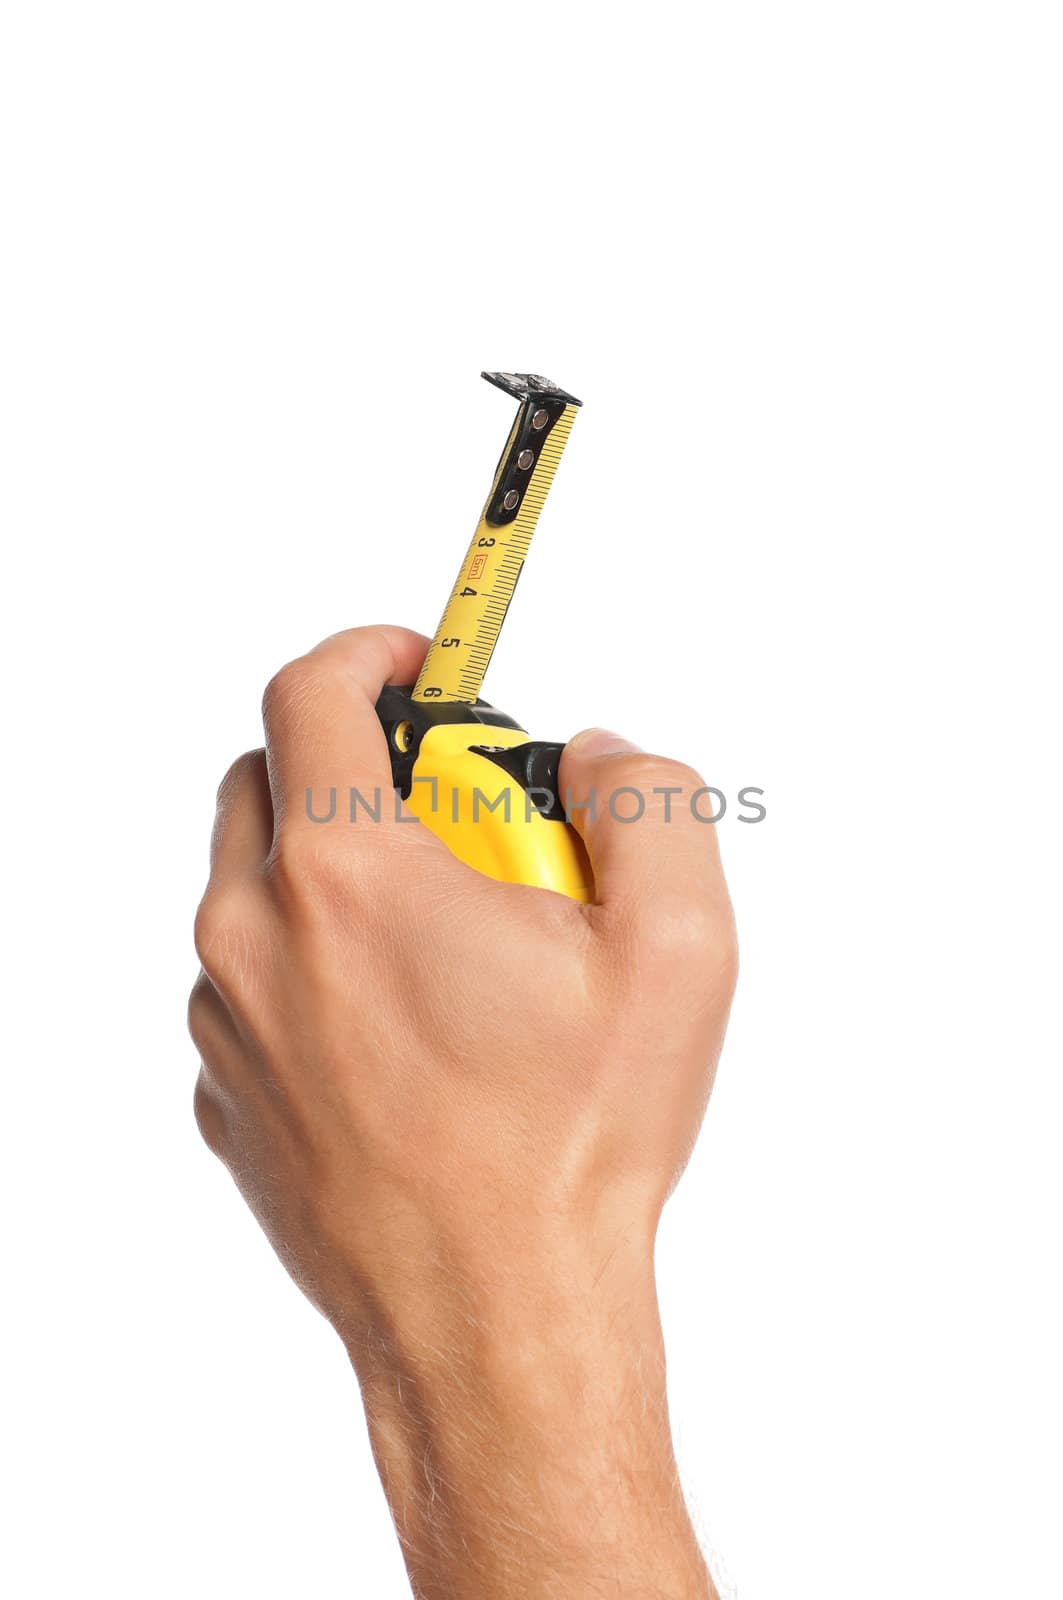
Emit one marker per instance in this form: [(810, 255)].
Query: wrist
[(522, 1436)]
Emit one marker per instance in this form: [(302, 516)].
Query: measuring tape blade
[(468, 631)]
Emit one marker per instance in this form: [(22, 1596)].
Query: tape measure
[(457, 660), (468, 771)]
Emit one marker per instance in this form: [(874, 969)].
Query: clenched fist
[(457, 1106)]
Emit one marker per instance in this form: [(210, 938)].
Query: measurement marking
[(497, 570)]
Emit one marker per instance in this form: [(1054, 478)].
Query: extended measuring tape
[(469, 772)]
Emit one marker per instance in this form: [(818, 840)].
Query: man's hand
[(457, 1107)]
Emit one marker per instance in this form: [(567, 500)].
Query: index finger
[(319, 712)]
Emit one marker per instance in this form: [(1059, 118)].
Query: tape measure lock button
[(535, 767)]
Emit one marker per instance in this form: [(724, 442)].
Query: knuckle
[(681, 774), (307, 869), (242, 768), (639, 768), (220, 931), (649, 774), (293, 860), (667, 774), (722, 951), (283, 688), (690, 931), (291, 689), (199, 1004), (208, 1115), (207, 928)]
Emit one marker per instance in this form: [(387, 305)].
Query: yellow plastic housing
[(482, 813)]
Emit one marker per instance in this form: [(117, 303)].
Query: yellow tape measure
[(469, 772), (458, 658)]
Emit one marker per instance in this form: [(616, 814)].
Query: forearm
[(524, 1445)]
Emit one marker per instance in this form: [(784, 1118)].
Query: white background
[(803, 264)]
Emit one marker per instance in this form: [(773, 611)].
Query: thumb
[(646, 823)]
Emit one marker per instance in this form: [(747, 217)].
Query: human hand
[(456, 1107)]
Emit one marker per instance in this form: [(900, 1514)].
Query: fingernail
[(601, 742)]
